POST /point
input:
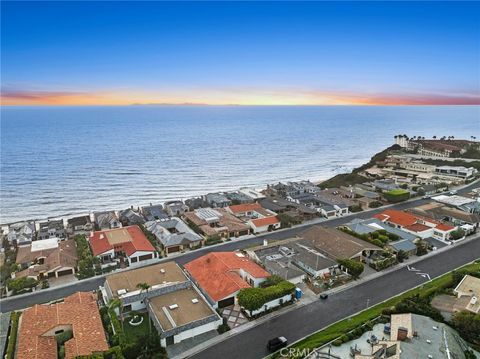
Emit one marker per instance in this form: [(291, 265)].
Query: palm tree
[(117, 303), (144, 288)]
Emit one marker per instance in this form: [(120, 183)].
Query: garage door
[(226, 302), (173, 249), (65, 272)]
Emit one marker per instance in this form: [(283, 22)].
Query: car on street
[(323, 296), (276, 343)]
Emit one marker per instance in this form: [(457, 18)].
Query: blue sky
[(252, 52)]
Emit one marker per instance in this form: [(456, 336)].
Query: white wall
[(272, 304), (193, 332)]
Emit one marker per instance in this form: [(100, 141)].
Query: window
[(134, 259)]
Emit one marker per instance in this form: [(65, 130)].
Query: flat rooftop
[(157, 274), (179, 308)]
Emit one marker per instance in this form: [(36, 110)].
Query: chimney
[(265, 243), (402, 333)]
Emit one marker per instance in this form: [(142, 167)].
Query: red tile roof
[(410, 221), (133, 240), (444, 227), (36, 336), (260, 222), (218, 273), (397, 217), (240, 208), (417, 227)]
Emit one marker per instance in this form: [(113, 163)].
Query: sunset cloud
[(249, 96)]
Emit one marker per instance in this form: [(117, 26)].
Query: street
[(48, 295), (308, 319)]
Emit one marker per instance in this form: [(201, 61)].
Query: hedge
[(397, 195), (364, 236), (254, 298), (113, 352), (12, 339), (117, 327)]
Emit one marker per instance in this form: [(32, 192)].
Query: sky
[(245, 53)]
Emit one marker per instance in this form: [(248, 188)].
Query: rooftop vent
[(429, 341), (239, 254), (173, 306), (121, 291), (162, 271), (434, 327), (102, 236), (194, 300)]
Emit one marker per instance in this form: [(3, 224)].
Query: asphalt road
[(48, 295), (308, 319)]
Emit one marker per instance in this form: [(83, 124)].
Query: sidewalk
[(240, 239), (305, 301)]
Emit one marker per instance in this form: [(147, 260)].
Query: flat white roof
[(252, 193), (208, 214), (44, 244), (453, 200)]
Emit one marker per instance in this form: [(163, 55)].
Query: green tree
[(354, 268), (422, 248), (117, 303), (19, 284), (144, 288), (457, 234), (468, 325), (401, 255)]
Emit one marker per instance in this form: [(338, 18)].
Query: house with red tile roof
[(420, 226), (221, 275), (258, 218), (40, 324), (128, 243)]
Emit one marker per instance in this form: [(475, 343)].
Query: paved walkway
[(234, 316)]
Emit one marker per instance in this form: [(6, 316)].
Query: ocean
[(63, 161)]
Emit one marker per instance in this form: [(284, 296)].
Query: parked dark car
[(323, 296), (276, 343)]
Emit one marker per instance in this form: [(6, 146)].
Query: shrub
[(421, 249), (272, 280), (354, 268), (355, 208), (12, 339), (468, 325), (287, 221), (254, 298), (214, 239), (23, 283), (375, 204), (397, 195), (337, 342), (457, 234), (63, 337), (223, 327)]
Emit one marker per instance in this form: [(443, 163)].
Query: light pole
[(368, 302)]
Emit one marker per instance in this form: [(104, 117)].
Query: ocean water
[(62, 161)]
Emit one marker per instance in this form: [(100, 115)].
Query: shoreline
[(315, 180)]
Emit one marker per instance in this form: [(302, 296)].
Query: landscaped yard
[(338, 329), (133, 332)]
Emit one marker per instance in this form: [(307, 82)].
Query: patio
[(233, 315)]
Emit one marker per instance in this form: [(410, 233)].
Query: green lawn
[(134, 332), (336, 330)]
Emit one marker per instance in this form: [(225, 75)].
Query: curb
[(233, 332)]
